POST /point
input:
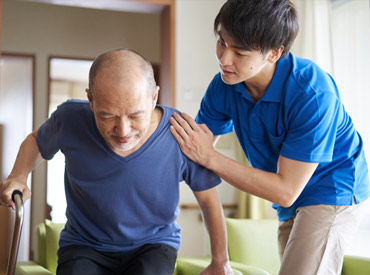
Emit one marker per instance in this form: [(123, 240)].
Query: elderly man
[(123, 169)]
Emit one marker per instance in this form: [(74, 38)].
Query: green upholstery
[(46, 259), (31, 268), (353, 265), (252, 246), (253, 249), (192, 266), (52, 244), (247, 269), (260, 239), (41, 244)]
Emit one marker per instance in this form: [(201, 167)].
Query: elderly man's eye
[(106, 117)]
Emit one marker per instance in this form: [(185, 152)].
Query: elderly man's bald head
[(122, 64)]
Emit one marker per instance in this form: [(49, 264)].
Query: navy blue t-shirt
[(117, 203), (300, 117)]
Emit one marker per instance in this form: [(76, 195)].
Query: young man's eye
[(220, 42)]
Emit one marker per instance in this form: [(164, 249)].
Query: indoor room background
[(34, 34)]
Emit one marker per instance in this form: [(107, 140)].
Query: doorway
[(68, 79), (16, 121)]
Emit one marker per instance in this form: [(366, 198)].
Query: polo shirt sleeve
[(213, 109), (199, 178), (312, 128), (47, 136)]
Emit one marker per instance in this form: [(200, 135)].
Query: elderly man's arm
[(28, 158), (214, 219)]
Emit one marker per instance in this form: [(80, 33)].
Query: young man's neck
[(257, 86)]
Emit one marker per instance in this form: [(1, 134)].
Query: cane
[(18, 201)]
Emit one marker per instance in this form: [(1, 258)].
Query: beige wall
[(46, 30)]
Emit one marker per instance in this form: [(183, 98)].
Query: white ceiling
[(115, 5)]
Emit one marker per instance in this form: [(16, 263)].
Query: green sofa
[(46, 258), (252, 248)]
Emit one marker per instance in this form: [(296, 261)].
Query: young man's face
[(122, 111), (238, 65)]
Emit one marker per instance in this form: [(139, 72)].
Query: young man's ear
[(275, 54), (155, 97), (89, 97)]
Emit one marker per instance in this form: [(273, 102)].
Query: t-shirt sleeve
[(213, 109), (312, 131), (47, 137), (200, 178)]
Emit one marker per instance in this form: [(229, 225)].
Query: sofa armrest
[(30, 268), (248, 269), (353, 265), (191, 266)]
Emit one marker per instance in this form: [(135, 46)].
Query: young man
[(123, 169), (305, 153)]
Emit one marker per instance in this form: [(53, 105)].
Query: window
[(68, 79)]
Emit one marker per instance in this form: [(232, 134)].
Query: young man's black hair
[(259, 24)]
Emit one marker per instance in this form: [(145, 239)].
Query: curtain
[(336, 35), (250, 206), (314, 38)]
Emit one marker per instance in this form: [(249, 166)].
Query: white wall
[(196, 65), (16, 123)]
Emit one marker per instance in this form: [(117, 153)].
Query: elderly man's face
[(123, 111)]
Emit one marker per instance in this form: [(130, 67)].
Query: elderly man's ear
[(155, 97), (89, 97)]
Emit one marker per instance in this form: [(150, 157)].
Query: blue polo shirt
[(300, 117)]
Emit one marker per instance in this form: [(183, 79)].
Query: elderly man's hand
[(217, 269), (7, 188), (195, 140)]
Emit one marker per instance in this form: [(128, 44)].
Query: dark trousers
[(158, 259)]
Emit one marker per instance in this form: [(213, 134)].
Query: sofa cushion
[(52, 244), (254, 242), (190, 266), (30, 268), (40, 255), (354, 265)]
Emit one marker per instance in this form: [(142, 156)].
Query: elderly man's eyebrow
[(104, 113), (137, 113)]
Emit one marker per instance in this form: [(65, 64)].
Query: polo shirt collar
[(276, 87)]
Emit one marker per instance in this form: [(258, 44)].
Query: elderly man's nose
[(123, 127)]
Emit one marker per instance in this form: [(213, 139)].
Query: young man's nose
[(225, 57)]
